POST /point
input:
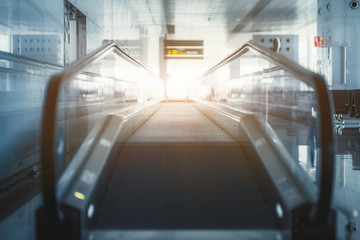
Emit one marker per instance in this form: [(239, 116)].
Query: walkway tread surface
[(181, 171)]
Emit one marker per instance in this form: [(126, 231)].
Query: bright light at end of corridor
[(178, 86)]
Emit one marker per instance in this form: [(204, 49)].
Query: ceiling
[(224, 25)]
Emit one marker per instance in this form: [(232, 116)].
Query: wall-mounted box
[(46, 48)]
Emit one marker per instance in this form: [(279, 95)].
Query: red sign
[(319, 41)]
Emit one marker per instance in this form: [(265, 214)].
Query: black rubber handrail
[(48, 142), (321, 212)]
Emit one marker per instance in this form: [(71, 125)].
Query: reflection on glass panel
[(285, 104), (31, 50), (22, 87), (347, 187), (112, 85)]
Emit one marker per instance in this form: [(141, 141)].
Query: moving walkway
[(121, 162)]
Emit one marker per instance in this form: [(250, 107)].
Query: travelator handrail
[(320, 213), (48, 142)]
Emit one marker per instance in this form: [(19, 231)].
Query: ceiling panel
[(224, 25)]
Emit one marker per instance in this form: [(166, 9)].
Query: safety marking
[(79, 195)]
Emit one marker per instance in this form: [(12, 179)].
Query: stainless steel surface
[(343, 65), (338, 22), (189, 234), (278, 162)]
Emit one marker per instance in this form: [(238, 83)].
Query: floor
[(181, 171)]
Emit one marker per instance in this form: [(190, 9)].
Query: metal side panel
[(76, 164), (79, 192), (189, 234), (292, 183), (230, 121), (89, 161), (288, 179)]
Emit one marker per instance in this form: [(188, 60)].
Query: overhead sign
[(183, 49)]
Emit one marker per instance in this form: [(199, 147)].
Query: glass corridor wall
[(31, 50), (288, 106), (36, 41), (34, 45)]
